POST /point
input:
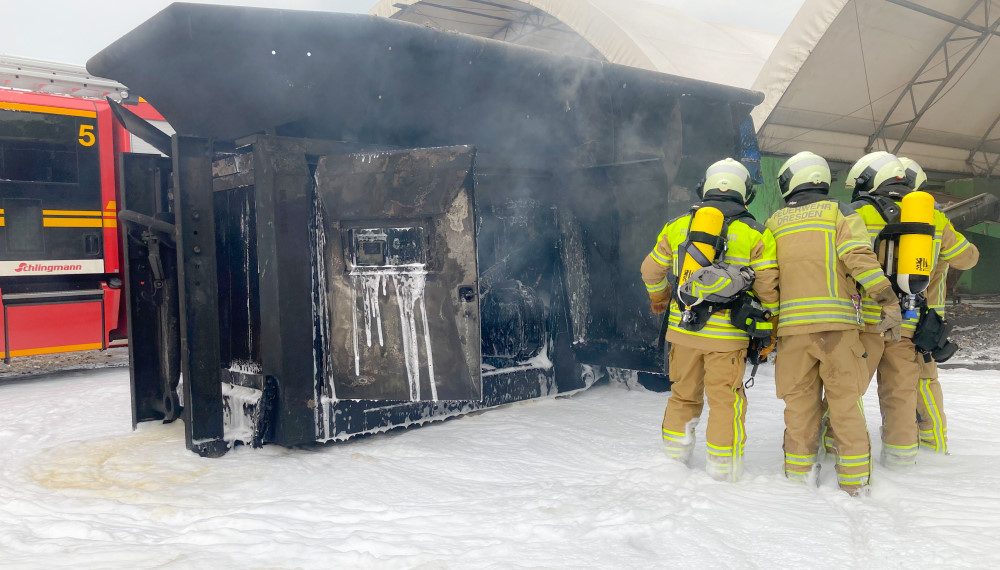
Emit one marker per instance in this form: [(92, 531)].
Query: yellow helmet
[(803, 171), (726, 176), (874, 170), (915, 176)]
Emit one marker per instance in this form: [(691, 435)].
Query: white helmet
[(874, 170), (726, 176), (915, 176), (803, 171)]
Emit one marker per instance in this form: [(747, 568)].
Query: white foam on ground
[(575, 482)]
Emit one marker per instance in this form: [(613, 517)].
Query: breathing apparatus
[(881, 179), (704, 243), (706, 237), (931, 335)]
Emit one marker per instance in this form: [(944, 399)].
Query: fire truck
[(60, 246)]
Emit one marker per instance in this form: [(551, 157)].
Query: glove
[(891, 325), (884, 296), (764, 352), (659, 302)]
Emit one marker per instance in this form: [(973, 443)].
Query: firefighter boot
[(724, 468), (678, 446), (898, 456)]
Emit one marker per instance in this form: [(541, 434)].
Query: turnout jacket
[(950, 249), (747, 243), (824, 255)]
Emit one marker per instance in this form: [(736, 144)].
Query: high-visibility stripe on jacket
[(950, 248), (955, 251), (824, 252), (747, 243)]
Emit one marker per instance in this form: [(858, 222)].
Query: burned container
[(365, 224)]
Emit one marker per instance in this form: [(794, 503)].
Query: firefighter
[(879, 181), (961, 254), (708, 352), (824, 255)]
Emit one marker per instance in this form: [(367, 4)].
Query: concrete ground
[(27, 366)]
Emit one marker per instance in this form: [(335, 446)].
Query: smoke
[(616, 148)]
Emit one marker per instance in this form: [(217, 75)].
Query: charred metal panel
[(283, 196), (609, 310), (150, 279), (239, 282), (401, 274), (374, 80)]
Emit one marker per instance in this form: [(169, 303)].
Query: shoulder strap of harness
[(885, 206), (890, 212)]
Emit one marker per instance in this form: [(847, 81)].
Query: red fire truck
[(60, 254)]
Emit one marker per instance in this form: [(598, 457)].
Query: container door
[(398, 277)]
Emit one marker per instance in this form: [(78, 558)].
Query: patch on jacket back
[(814, 211)]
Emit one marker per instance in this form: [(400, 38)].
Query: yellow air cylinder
[(709, 221), (915, 250)]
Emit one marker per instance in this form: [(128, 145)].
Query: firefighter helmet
[(803, 171), (915, 176), (726, 176), (874, 170)]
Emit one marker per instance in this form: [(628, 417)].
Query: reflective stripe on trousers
[(931, 419)]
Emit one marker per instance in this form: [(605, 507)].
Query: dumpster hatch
[(399, 257)]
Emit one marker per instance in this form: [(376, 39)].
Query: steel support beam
[(502, 6), (283, 198), (463, 11), (198, 296), (529, 23), (971, 161), (919, 109), (935, 14)]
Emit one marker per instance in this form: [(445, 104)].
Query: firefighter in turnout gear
[(961, 254), (708, 351), (825, 254), (880, 186)]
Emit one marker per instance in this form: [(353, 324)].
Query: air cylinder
[(915, 249), (708, 221)]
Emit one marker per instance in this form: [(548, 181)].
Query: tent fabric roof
[(627, 32), (914, 77)]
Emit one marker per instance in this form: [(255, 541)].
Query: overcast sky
[(71, 31)]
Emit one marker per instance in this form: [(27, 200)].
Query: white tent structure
[(915, 77), (627, 32)]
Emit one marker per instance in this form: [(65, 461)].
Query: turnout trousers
[(898, 378), (874, 346), (807, 366), (931, 421), (695, 374), (897, 369)]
